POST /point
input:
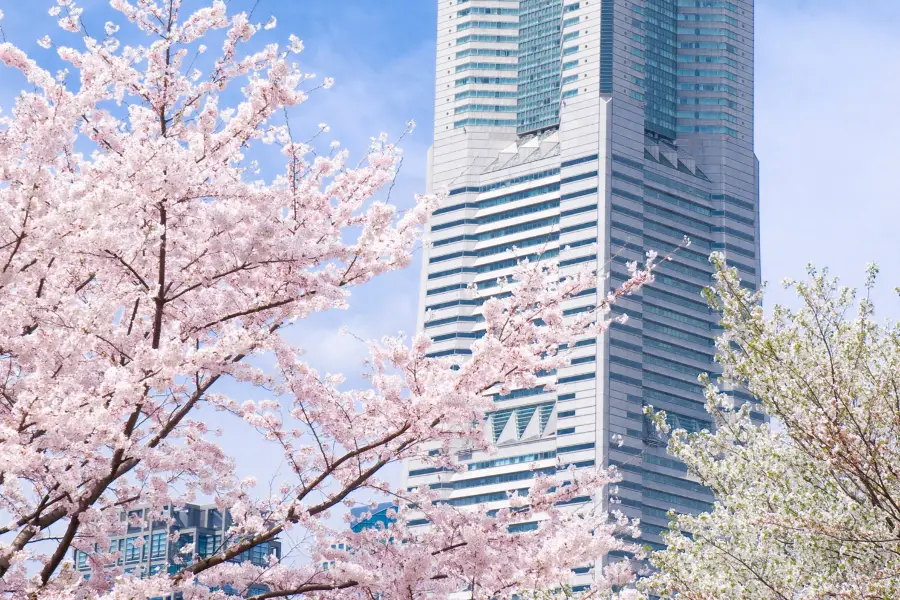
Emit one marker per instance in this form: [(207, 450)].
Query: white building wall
[(474, 156)]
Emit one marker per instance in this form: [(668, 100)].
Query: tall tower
[(622, 123)]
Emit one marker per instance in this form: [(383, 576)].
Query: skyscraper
[(622, 123)]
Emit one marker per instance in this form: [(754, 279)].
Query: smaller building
[(150, 545), (362, 518), (378, 516)]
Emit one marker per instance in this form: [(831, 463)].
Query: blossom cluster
[(806, 480), (143, 261)]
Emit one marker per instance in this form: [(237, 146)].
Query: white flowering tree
[(810, 508), (144, 261)]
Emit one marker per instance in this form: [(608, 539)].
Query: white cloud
[(330, 350), (384, 307)]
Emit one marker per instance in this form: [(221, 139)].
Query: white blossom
[(807, 505)]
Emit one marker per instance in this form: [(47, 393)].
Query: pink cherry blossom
[(141, 266)]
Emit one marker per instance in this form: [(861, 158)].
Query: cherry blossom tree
[(144, 261), (807, 508)]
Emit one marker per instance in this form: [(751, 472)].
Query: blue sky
[(826, 90)]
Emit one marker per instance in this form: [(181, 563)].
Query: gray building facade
[(593, 130)]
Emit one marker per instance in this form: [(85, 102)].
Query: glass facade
[(607, 35), (712, 37), (660, 80), (540, 26)]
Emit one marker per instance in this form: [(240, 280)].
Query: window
[(576, 448), (675, 499), (708, 59), (707, 73), (707, 31), (132, 549), (209, 544), (708, 115), (707, 4), (707, 17), (707, 129), (117, 546), (485, 108), (574, 378), (487, 80), (676, 349), (487, 67), (258, 553), (671, 381), (493, 39), (158, 545), (485, 94), (487, 25), (693, 372), (479, 10), (483, 123), (485, 52), (512, 460), (489, 497)]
